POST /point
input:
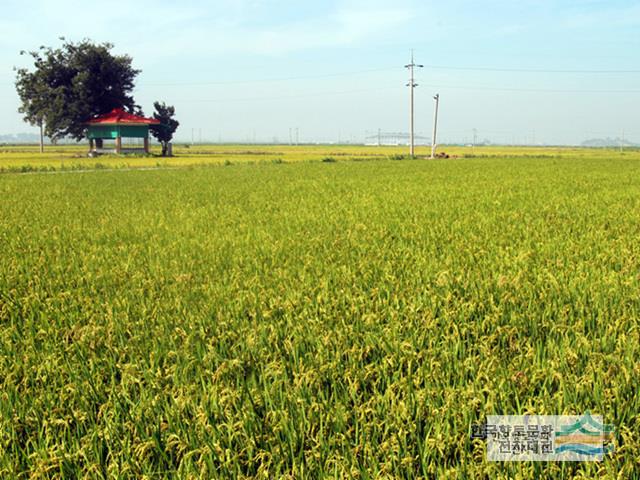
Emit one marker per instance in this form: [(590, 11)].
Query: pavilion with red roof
[(117, 125)]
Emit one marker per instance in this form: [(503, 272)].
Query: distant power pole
[(412, 85), (435, 126), (379, 137), (475, 139), (297, 136)]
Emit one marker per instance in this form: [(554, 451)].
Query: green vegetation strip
[(24, 159)]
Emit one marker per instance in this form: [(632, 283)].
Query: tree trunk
[(41, 137)]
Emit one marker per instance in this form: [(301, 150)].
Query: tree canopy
[(73, 83), (168, 125)]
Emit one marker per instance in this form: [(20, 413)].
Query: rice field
[(24, 159), (314, 319)]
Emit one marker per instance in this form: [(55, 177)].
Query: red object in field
[(118, 116)]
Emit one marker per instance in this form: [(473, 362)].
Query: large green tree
[(70, 84), (168, 125)]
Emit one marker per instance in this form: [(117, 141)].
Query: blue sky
[(244, 69)]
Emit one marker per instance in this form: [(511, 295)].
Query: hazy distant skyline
[(245, 69)]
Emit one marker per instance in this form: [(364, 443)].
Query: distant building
[(394, 139)]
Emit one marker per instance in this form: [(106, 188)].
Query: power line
[(285, 97), (373, 90), (385, 69), (528, 70), (271, 80), (535, 90)]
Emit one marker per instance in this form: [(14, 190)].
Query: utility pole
[(622, 142), (435, 126), (475, 140), (297, 136), (379, 137), (412, 85)]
